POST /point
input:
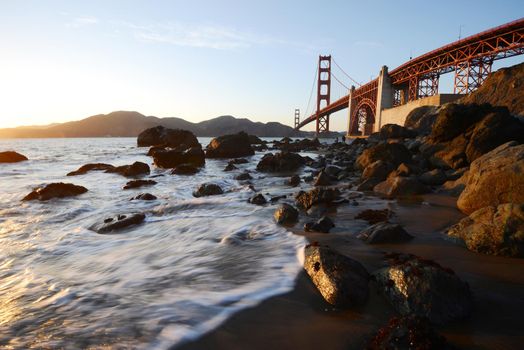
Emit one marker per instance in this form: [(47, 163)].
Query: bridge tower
[(297, 117), (323, 91)]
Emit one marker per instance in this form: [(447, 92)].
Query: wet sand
[(301, 319)]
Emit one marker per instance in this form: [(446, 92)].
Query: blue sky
[(66, 60)]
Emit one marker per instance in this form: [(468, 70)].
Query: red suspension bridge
[(470, 59)]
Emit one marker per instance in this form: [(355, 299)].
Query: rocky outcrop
[(133, 170), (495, 178), (384, 232), (118, 222), (494, 230), (421, 119), (286, 214), (55, 190), (230, 146), (138, 183), (11, 157), (394, 131), (84, 169), (316, 196), (342, 281), (422, 288), (324, 225), (161, 136), (392, 153), (280, 162), (399, 186), (208, 189), (172, 158)]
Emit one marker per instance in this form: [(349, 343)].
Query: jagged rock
[(422, 288), (244, 176), (342, 281), (384, 232), (238, 161), (421, 119), (258, 199), (11, 157), (408, 333), (322, 179), (230, 146), (160, 135), (373, 216), (154, 149), (496, 177), (230, 167), (318, 195), (84, 169), (294, 181), (494, 230), (454, 119), (378, 170), (172, 158), (434, 177), (55, 190), (286, 214), (393, 153), (332, 170), (208, 189), (368, 184), (118, 222), (394, 131), (324, 224), (145, 197), (400, 187), (185, 169), (138, 183), (133, 170), (255, 140), (280, 162)]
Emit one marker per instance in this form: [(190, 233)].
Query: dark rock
[(434, 177), (373, 216), (277, 198), (208, 189), (384, 232), (138, 183), (368, 184), (160, 135), (454, 119), (286, 214), (135, 169), (185, 169), (392, 153), (230, 167), (280, 162), (255, 140), (324, 224), (172, 158), (421, 119), (258, 199), (238, 161), (394, 131), (423, 288), (400, 187), (230, 146), (322, 179), (118, 223), (84, 169), (55, 190), (145, 197), (155, 149), (294, 181), (342, 281), (243, 176), (318, 195), (494, 230), (11, 157), (378, 170)]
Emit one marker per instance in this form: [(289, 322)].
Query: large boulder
[(230, 146), (316, 196), (117, 223), (55, 190), (378, 170), (494, 230), (421, 119), (496, 177), (286, 214), (11, 157), (454, 119), (422, 288), (394, 131), (84, 169), (160, 135), (185, 169), (342, 281), (384, 232), (392, 153), (132, 170), (280, 162), (174, 157), (400, 186)]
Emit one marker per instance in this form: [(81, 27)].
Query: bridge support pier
[(385, 96), (351, 107)]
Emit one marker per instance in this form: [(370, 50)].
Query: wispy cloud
[(82, 21)]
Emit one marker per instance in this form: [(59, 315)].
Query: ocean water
[(192, 264)]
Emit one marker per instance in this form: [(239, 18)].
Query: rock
[(138, 183), (324, 224), (230, 167), (118, 222), (244, 176), (55, 190), (258, 199), (435, 177), (11, 157), (154, 149), (172, 158), (322, 179), (455, 188), (368, 184), (277, 198), (208, 189), (84, 169), (255, 140), (373, 216), (342, 281), (378, 170), (392, 153), (384, 232), (238, 161), (230, 146), (422, 288), (332, 170), (318, 195), (400, 187), (135, 169), (185, 169), (286, 214), (495, 178), (173, 138), (494, 230), (421, 119), (454, 119), (394, 131), (294, 181), (407, 333), (145, 197), (280, 162)]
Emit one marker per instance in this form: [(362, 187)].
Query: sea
[(192, 264)]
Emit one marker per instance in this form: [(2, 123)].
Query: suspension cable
[(341, 83), (311, 93), (353, 80)]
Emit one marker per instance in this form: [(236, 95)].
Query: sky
[(67, 60)]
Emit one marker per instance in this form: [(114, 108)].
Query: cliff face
[(504, 87)]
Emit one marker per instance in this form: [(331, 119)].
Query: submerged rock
[(342, 281), (494, 230), (318, 195), (208, 189), (135, 169), (185, 169), (230, 146), (373, 216), (286, 214), (174, 157), (84, 169), (244, 176), (280, 162), (11, 157), (55, 190), (423, 288), (322, 179), (258, 199), (118, 222), (294, 181), (138, 183), (160, 135), (145, 197), (324, 225), (384, 232), (230, 167)]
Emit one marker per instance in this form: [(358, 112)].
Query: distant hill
[(130, 124)]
